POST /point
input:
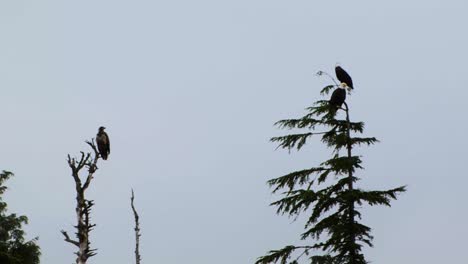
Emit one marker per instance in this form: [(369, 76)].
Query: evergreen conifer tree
[(14, 249), (327, 194)]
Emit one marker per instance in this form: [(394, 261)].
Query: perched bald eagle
[(337, 98), (343, 77), (103, 143)]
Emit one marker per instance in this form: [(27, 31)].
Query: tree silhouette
[(327, 194), (13, 247), (137, 230), (83, 206)]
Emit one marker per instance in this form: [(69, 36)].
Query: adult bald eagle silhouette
[(343, 76), (337, 98), (103, 143)]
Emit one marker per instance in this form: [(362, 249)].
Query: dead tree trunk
[(137, 231), (83, 206)]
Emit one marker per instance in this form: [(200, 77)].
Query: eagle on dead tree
[(103, 143)]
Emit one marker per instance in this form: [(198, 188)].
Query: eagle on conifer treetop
[(343, 76), (103, 143), (338, 96)]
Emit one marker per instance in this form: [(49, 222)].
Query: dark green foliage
[(13, 247), (327, 89), (333, 233)]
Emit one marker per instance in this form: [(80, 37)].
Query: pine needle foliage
[(14, 249), (326, 194)]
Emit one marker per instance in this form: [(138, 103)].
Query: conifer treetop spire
[(327, 193)]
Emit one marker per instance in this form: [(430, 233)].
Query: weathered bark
[(83, 206), (137, 231)]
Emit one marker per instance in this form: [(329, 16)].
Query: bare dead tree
[(137, 231), (83, 206)]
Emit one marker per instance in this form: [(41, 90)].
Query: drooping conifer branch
[(83, 206)]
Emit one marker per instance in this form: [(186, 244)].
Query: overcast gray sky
[(189, 91)]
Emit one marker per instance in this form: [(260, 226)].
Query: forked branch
[(83, 206)]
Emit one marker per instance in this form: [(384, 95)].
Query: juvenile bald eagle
[(103, 143), (337, 98), (343, 76)]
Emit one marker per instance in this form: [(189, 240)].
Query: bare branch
[(91, 163), (88, 181), (320, 73), (83, 206), (83, 160), (93, 146), (67, 239), (137, 231)]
